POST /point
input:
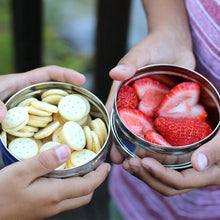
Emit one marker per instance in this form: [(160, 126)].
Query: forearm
[(170, 16)]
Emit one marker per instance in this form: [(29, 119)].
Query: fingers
[(135, 166), (73, 203), (79, 186), (137, 57), (3, 111), (168, 181), (41, 164), (207, 155), (115, 155)]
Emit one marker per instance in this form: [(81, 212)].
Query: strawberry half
[(136, 121), (181, 132), (155, 138), (182, 102), (127, 97), (150, 93)]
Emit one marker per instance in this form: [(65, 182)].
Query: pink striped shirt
[(134, 199)]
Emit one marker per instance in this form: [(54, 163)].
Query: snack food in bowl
[(45, 115), (165, 112)]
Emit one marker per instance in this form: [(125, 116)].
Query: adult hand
[(25, 194)]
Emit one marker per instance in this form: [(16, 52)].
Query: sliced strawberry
[(165, 79), (127, 97), (136, 121), (155, 138), (150, 93), (182, 102), (180, 132)]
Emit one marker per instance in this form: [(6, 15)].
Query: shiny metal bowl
[(179, 157), (97, 110)]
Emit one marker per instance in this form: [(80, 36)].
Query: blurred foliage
[(6, 60), (55, 50)]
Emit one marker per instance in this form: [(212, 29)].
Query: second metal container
[(179, 157)]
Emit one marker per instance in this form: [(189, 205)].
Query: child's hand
[(170, 182), (158, 47), (26, 195)]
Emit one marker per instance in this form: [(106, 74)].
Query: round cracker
[(73, 107), (52, 99), (103, 128), (81, 157), (88, 136), (95, 126), (50, 92), (27, 102), (35, 111), (47, 131), (44, 106), (15, 117), (73, 135), (23, 148), (96, 146)]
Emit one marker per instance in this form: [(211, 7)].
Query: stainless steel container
[(97, 110), (179, 157)]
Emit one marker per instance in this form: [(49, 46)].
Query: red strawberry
[(150, 93), (180, 132), (136, 121), (182, 102), (155, 138), (127, 97)]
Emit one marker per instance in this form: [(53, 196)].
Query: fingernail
[(119, 67), (202, 161), (63, 153)]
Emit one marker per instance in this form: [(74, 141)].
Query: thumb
[(44, 162), (207, 155), (3, 111), (137, 57)]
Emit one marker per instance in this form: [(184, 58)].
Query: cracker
[(50, 92), (35, 111), (95, 126), (88, 136), (36, 123), (21, 134), (69, 163), (43, 119), (47, 131), (73, 107), (73, 135), (28, 128), (96, 146), (49, 145), (81, 157), (15, 117), (27, 102), (103, 128), (23, 148), (44, 106), (56, 135), (83, 121), (52, 99)]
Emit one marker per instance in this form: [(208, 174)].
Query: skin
[(168, 41), (24, 192)]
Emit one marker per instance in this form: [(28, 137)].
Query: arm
[(24, 193), (168, 41)]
